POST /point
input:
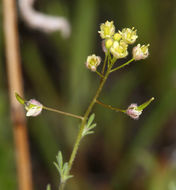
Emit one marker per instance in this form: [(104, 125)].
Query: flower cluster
[(117, 42)]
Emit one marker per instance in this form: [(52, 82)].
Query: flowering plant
[(115, 45)]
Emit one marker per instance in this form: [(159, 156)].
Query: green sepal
[(19, 98), (145, 104)]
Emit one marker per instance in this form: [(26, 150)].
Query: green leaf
[(92, 126), (89, 133), (19, 98), (60, 159), (90, 120), (58, 168), (65, 167)]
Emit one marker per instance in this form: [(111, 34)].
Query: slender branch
[(121, 66), (15, 82), (104, 64), (110, 107), (63, 113), (99, 74)]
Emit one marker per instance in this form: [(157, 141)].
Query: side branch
[(121, 66), (110, 107)]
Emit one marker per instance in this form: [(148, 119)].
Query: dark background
[(123, 154)]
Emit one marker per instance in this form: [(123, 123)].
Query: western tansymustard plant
[(115, 46)]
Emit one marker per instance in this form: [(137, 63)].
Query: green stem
[(88, 111), (99, 74), (63, 113), (104, 64), (61, 186), (110, 107), (117, 68), (79, 136)]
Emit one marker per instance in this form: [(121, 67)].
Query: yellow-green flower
[(119, 49), (129, 35), (140, 52), (107, 30), (117, 36), (92, 62)]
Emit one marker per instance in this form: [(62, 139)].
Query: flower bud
[(119, 49), (33, 107), (109, 43), (117, 36), (133, 112), (140, 52), (129, 35), (92, 62), (107, 30)]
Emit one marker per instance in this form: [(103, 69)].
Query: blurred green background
[(123, 154)]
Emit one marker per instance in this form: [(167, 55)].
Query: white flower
[(119, 49), (33, 107), (133, 112), (140, 52), (107, 30), (92, 62), (129, 35)]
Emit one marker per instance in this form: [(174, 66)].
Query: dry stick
[(15, 84)]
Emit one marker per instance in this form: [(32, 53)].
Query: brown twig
[(15, 84)]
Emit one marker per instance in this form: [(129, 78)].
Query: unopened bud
[(33, 107), (117, 36), (133, 112), (109, 43)]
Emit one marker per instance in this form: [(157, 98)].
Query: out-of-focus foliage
[(122, 153)]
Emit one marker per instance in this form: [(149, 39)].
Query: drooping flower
[(33, 107), (92, 62), (140, 52), (133, 112), (107, 30), (129, 35), (119, 49)]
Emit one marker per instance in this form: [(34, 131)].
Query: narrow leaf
[(90, 120), (60, 159), (92, 126), (58, 168)]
